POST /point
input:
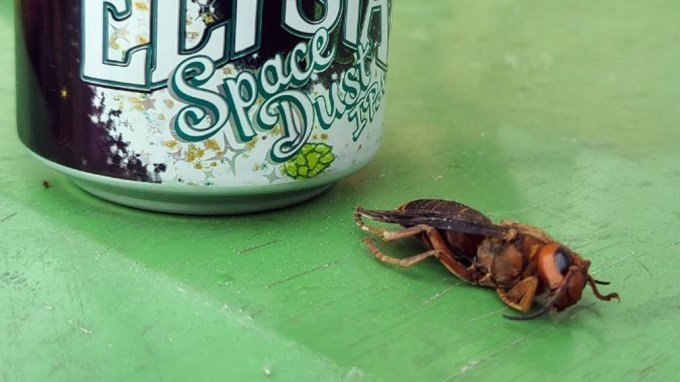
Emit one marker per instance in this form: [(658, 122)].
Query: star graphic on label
[(230, 156), (142, 23), (120, 32), (273, 177), (148, 103), (228, 70)]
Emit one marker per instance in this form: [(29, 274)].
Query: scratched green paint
[(561, 114)]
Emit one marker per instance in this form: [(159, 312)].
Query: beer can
[(202, 106)]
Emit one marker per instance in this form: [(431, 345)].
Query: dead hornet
[(521, 262)]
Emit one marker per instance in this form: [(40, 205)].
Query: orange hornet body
[(521, 262)]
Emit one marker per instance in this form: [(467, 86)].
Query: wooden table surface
[(560, 114)]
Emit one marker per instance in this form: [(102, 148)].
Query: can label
[(210, 92)]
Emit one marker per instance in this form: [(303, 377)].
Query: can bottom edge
[(189, 201), (200, 204)]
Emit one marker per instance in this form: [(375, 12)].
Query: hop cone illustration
[(312, 160)]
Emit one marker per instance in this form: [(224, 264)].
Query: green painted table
[(560, 114)]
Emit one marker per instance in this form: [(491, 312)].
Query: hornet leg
[(440, 250), (407, 262), (521, 296)]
